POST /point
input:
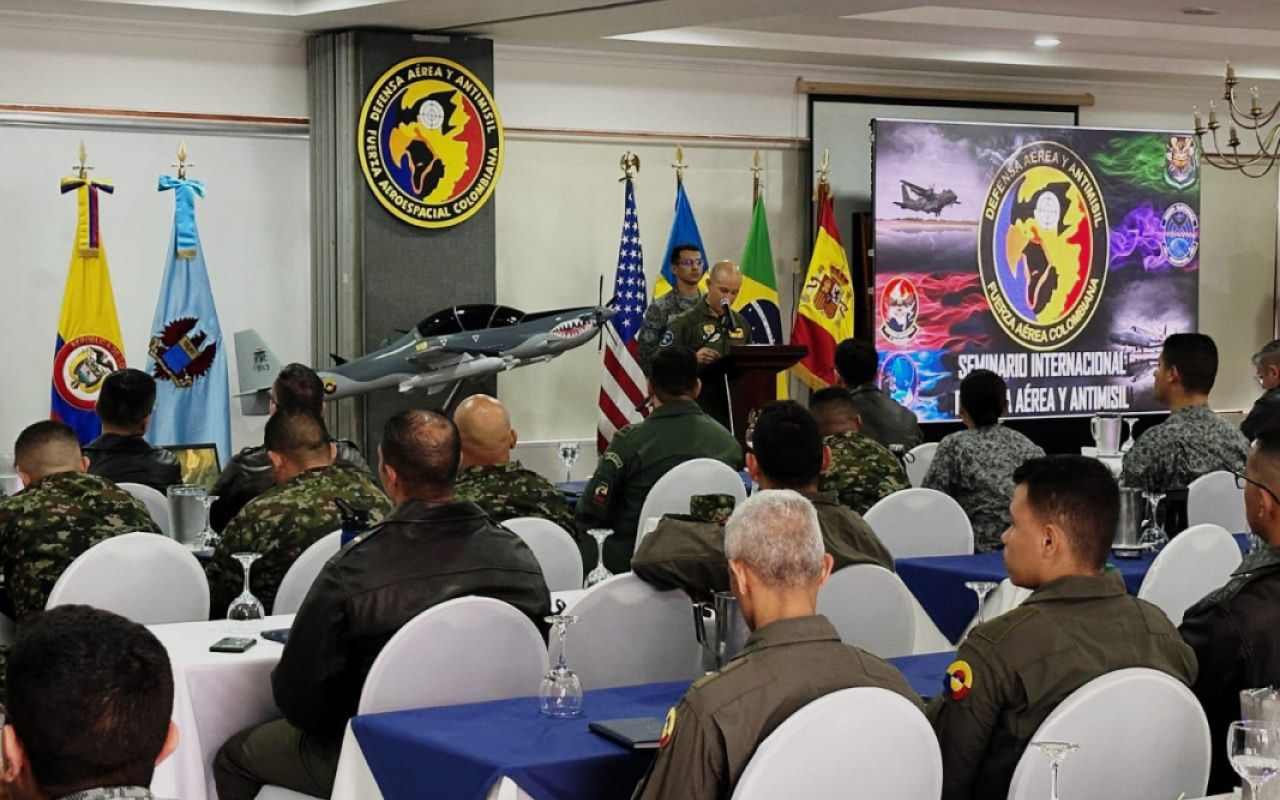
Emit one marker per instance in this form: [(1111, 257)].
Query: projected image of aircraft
[(926, 201), (1141, 348)]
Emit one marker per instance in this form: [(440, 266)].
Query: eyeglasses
[(691, 262), (1242, 479)]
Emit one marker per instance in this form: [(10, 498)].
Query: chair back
[(918, 460), (629, 633), (1214, 499), (146, 577), (157, 504), (468, 650), (303, 571), (921, 522), (670, 495), (1142, 736), (871, 608), (860, 742), (1193, 564), (555, 549)]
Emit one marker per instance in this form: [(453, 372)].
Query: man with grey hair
[(1266, 409), (777, 564)]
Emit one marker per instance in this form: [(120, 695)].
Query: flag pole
[(680, 166), (756, 185), (182, 160), (630, 164), (82, 171)]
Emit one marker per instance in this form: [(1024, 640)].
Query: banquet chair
[(303, 571), (1142, 736), (1193, 564), (871, 608), (555, 549), (861, 742), (670, 495), (157, 504), (921, 522), (629, 633), (146, 577), (918, 461), (1215, 499)]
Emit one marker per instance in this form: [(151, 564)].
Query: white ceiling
[(1100, 38)]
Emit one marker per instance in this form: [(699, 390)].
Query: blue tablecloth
[(938, 583), (573, 489), (925, 672)]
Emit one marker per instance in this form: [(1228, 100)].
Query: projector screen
[(1059, 258)]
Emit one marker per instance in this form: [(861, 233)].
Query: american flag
[(622, 382)]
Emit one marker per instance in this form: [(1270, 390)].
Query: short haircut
[(834, 397), (127, 397), (1265, 457), (90, 695), (776, 533), (298, 387), (423, 448), (1196, 358), (680, 248), (787, 444), (296, 434), (1080, 496), (857, 361), (984, 395), (46, 447), (1269, 355), (674, 373)]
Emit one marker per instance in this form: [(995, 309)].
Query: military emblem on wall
[(182, 353)]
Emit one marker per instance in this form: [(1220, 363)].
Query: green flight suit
[(698, 328)]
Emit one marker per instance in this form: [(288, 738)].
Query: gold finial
[(825, 171), (82, 170), (756, 183), (680, 166), (182, 160), (630, 164)]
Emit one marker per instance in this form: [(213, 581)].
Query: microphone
[(643, 403), (726, 320)]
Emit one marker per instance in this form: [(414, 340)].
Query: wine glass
[(982, 589), (569, 452), (1153, 535), (600, 573), (1252, 749), (560, 694), (1057, 753), (246, 608), (207, 539), (1132, 422)]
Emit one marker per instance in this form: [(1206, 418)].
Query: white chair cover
[(920, 457), (629, 633), (468, 650), (146, 577), (555, 550), (1142, 736), (1214, 499), (302, 573), (157, 504), (670, 495), (871, 608), (855, 743), (1194, 563), (921, 522)]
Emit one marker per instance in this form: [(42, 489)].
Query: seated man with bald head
[(489, 477), (794, 655), (430, 549), (709, 329)]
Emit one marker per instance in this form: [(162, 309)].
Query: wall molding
[(119, 119), (150, 29)]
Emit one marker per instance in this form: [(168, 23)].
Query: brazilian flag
[(758, 300)]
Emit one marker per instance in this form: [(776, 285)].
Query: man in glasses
[(1233, 630), (1266, 409), (686, 266)]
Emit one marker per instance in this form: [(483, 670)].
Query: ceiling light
[(1201, 11), (1048, 41)]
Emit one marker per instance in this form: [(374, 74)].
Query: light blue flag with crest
[(186, 354)]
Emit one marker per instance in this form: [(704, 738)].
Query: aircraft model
[(1142, 348), (453, 345), (926, 201)]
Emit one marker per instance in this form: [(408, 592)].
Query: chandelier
[(1254, 164)]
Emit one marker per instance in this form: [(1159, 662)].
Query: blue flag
[(186, 354), (684, 230)]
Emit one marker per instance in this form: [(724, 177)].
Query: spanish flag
[(824, 315), (88, 347), (758, 300)]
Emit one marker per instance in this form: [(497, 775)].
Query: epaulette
[(725, 670), (1001, 626)]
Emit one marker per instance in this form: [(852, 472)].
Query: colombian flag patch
[(668, 728), (959, 680)]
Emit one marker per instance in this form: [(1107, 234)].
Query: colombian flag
[(758, 300), (824, 316), (684, 230), (88, 347)]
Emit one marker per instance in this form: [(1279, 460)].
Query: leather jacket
[(132, 459), (1235, 633), (249, 475), (420, 555), (883, 419)]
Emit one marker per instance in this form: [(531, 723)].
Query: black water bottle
[(355, 521)]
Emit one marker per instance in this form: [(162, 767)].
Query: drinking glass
[(600, 573), (1153, 535), (982, 589), (568, 454), (1128, 442), (560, 694), (246, 608), (1057, 753), (207, 539), (1252, 749)]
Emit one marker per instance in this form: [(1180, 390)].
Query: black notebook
[(636, 733)]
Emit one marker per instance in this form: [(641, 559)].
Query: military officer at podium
[(709, 329)]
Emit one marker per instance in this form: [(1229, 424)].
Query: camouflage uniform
[(657, 318), (509, 490), (49, 524), (281, 523), (862, 471), (1193, 441)]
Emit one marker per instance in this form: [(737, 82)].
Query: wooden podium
[(745, 381)]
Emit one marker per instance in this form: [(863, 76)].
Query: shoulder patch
[(959, 680), (613, 458), (668, 338), (668, 728)]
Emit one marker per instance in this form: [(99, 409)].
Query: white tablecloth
[(1114, 463)]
